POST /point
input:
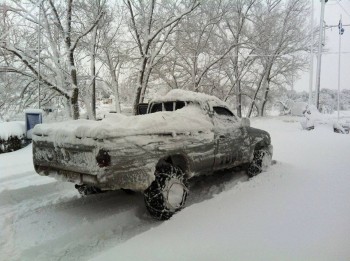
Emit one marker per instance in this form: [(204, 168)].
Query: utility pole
[(311, 76), (341, 31), (39, 47), (319, 55)]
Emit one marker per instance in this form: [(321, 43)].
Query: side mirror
[(245, 122)]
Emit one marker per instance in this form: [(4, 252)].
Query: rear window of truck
[(167, 106)]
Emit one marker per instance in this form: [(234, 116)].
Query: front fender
[(259, 138)]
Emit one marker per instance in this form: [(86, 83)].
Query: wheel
[(262, 159), (167, 193), (87, 190)]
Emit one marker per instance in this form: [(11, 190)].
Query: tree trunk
[(266, 86), (255, 96), (73, 70), (75, 94), (93, 73), (75, 105), (140, 82), (238, 80), (137, 98), (239, 99), (115, 84), (264, 101)]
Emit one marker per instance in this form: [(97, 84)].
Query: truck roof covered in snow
[(183, 95)]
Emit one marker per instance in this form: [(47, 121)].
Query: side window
[(222, 111), (179, 105), (169, 106), (156, 107)]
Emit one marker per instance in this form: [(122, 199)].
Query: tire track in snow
[(52, 222), (22, 180), (77, 228)]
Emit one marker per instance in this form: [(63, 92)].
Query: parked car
[(183, 134), (313, 118)]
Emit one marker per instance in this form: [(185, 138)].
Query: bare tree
[(242, 51), (57, 23), (71, 45), (151, 24), (236, 23), (280, 34), (115, 50), (196, 43)]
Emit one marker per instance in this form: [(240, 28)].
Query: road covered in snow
[(298, 210)]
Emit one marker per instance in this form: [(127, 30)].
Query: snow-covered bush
[(11, 136)]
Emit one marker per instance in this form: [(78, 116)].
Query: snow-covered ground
[(298, 210)]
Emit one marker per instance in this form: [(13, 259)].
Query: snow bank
[(298, 108), (16, 163), (117, 125), (13, 128)]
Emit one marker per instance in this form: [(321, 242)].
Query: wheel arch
[(261, 144), (178, 160)]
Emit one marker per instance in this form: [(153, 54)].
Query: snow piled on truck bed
[(190, 118)]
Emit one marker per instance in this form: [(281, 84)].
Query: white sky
[(329, 69)]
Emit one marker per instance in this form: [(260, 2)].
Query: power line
[(335, 52), (342, 7), (331, 26)]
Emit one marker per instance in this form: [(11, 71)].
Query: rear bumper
[(69, 176), (111, 179)]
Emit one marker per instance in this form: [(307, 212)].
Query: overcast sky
[(329, 73)]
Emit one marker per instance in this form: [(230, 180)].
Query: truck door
[(228, 138)]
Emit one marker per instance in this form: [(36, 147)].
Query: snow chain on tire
[(157, 194), (262, 158)]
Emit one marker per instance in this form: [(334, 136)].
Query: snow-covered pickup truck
[(182, 135)]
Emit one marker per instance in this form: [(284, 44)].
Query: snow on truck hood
[(187, 119)]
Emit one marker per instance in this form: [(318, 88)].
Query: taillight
[(103, 159)]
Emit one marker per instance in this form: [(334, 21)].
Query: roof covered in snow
[(33, 111), (183, 95)]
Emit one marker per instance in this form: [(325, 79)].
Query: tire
[(167, 193), (261, 160)]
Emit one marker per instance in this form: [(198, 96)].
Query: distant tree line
[(328, 99), (245, 52)]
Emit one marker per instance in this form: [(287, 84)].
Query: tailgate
[(76, 158)]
